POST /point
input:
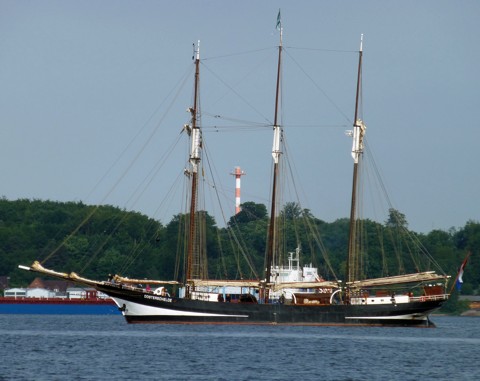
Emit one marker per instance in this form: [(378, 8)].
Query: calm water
[(34, 347)]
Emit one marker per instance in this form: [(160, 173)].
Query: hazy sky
[(80, 79)]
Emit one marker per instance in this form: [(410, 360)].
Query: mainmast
[(276, 152), (357, 150), (194, 159)]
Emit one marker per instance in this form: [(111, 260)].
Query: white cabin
[(292, 273), (40, 293), (15, 293)]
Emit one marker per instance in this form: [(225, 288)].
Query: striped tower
[(238, 173)]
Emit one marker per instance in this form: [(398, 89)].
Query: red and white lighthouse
[(238, 173)]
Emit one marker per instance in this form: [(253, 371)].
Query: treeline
[(96, 241)]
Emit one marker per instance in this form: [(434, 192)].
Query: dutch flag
[(460, 273)]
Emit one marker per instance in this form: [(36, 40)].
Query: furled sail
[(407, 278)]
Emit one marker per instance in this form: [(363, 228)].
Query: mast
[(194, 159), (357, 149), (277, 132)]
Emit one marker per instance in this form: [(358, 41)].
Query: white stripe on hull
[(136, 309), (396, 317)]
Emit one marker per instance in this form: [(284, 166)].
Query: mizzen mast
[(194, 159), (358, 133), (276, 153)]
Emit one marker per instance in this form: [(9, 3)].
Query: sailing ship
[(286, 293)]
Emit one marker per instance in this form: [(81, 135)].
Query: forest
[(95, 241)]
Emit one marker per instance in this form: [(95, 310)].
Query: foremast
[(194, 159), (359, 128), (276, 153)]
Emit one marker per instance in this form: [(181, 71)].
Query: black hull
[(141, 307)]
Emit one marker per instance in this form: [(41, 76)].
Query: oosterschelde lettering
[(160, 298)]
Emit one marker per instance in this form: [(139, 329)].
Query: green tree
[(396, 219), (291, 211), (250, 211), (455, 306)]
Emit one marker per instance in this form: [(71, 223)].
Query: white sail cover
[(407, 278)]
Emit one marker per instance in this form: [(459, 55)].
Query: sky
[(93, 94)]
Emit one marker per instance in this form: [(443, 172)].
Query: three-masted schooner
[(287, 294)]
